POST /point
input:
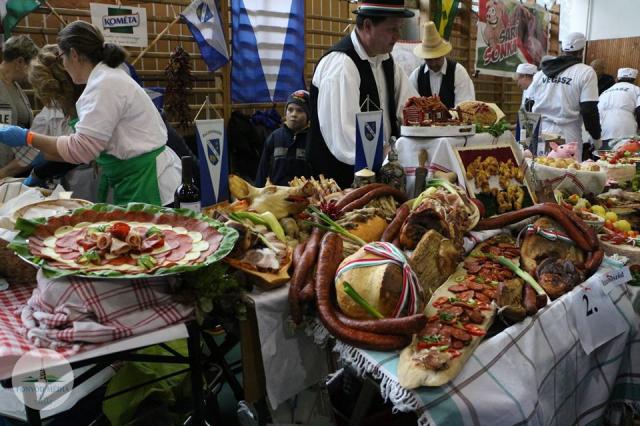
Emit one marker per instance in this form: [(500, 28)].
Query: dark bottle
[(187, 195)]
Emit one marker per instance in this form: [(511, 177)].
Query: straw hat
[(432, 46)]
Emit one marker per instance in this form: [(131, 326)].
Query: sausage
[(300, 274), (405, 326), (355, 194), (372, 195), (547, 209), (329, 259), (587, 231), (457, 344), (393, 229), (396, 242), (461, 335), (297, 254), (475, 316), (594, 259), (458, 288), (308, 292), (529, 300)]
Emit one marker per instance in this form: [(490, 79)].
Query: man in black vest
[(439, 75), (357, 67)]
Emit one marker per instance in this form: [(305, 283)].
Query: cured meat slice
[(184, 246), (70, 256), (70, 239), (122, 260)]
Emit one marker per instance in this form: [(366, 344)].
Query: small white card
[(596, 317), (612, 278)]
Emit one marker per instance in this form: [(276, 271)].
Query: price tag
[(612, 278), (597, 319)]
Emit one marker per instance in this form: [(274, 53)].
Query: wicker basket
[(16, 271), (626, 250)]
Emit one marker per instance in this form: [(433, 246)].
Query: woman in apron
[(118, 125)]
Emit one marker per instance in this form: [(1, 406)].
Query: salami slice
[(184, 246), (70, 256), (70, 239)]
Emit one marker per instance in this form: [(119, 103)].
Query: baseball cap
[(529, 69), (573, 42), (627, 73)]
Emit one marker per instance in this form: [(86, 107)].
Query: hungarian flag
[(444, 14), (12, 11)]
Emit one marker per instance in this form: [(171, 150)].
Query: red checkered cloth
[(72, 310)]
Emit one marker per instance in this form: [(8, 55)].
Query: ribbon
[(412, 293), (549, 234)]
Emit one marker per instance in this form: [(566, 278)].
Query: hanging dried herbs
[(179, 84)]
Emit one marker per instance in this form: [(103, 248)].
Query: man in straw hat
[(619, 107), (566, 94), (439, 75), (358, 67), (524, 77)]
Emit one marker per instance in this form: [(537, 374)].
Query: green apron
[(132, 180)]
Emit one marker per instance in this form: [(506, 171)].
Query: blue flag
[(201, 16), (369, 141), (272, 69), (214, 161)]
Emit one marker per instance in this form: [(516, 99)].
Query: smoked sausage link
[(301, 273), (393, 230), (405, 326), (374, 193)]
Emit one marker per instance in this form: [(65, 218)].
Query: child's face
[(295, 117)]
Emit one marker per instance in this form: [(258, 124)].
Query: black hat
[(386, 8), (301, 98)]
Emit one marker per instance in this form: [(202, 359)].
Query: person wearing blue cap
[(357, 68), (565, 93), (284, 154)]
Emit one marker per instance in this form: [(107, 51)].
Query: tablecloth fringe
[(390, 390), (318, 332)]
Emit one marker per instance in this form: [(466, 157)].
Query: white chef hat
[(627, 73), (529, 69), (573, 42)]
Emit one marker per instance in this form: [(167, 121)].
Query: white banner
[(124, 25), (213, 157)]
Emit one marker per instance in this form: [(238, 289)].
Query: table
[(441, 155), (534, 372)]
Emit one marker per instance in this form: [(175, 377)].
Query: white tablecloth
[(291, 360), (441, 154)]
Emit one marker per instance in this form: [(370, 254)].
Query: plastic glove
[(13, 136), (597, 144), (34, 180), (38, 161)]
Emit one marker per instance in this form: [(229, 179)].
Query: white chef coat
[(338, 82), (462, 84), (558, 99), (617, 107), (114, 108)]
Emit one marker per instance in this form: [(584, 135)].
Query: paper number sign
[(596, 318)]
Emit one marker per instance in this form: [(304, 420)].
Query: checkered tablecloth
[(534, 372)]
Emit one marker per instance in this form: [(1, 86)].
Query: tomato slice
[(474, 330), (454, 353), (120, 230)]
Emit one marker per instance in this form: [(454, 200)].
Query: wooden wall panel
[(616, 53), (326, 22)]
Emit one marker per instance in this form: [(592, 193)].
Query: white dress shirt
[(463, 86), (338, 82)]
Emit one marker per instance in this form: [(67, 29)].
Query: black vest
[(321, 159), (447, 87)]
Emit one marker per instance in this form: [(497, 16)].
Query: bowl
[(593, 220)]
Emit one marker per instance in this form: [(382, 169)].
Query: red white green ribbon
[(412, 293), (547, 233)]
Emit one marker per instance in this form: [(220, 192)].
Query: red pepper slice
[(440, 301), (120, 230), (474, 330), (454, 353)]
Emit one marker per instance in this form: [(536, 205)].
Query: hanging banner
[(510, 33), (124, 25), (444, 14), (267, 50), (214, 161), (369, 141)]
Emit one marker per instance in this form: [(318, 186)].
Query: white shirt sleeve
[(404, 89), (413, 78), (463, 89), (637, 96), (100, 110), (589, 92), (338, 83)]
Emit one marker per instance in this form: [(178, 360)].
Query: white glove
[(597, 143)]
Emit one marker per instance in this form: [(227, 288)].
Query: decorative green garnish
[(90, 256), (480, 280), (330, 225), (152, 231), (446, 316), (267, 219), (147, 261), (454, 300), (494, 130), (519, 272), (351, 292), (442, 348), (434, 338)]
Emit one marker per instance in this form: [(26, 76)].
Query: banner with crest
[(510, 33), (369, 141), (214, 161)]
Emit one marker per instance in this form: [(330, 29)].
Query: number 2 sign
[(596, 317)]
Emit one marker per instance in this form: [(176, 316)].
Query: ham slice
[(119, 247)]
